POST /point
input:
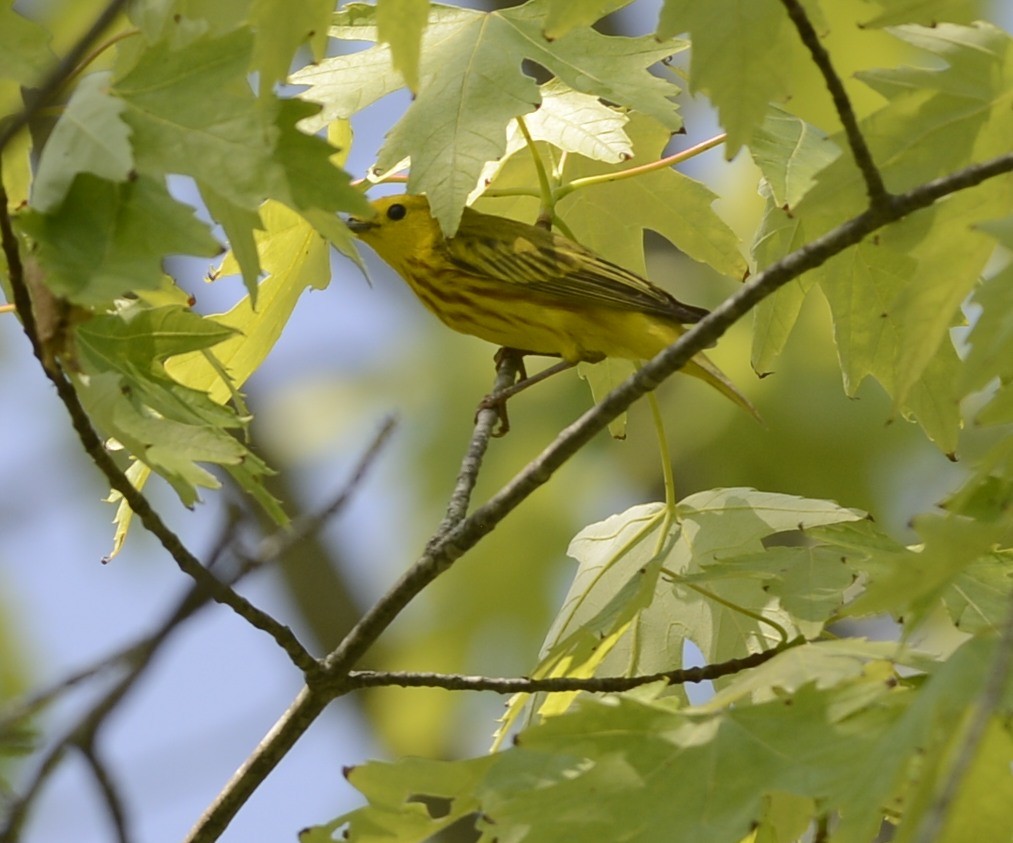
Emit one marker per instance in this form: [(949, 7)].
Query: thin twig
[(548, 685), (42, 95), (485, 422), (439, 555), (276, 545), (874, 187), (110, 793), (665, 163), (93, 446)]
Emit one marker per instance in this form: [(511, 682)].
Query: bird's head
[(401, 227)]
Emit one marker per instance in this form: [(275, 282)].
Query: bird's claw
[(498, 402)]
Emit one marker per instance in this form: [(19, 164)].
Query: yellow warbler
[(526, 288)]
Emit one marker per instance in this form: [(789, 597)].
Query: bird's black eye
[(396, 212)]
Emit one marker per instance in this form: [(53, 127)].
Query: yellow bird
[(528, 289)]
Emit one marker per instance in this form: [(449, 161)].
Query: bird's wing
[(551, 265)]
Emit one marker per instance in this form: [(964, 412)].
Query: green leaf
[(991, 338), (239, 224), (955, 564), (346, 84), (926, 12), (862, 286), (980, 807), (564, 15), (171, 448), (979, 596), (572, 122), (601, 379), (108, 239), (632, 567), (822, 664), (151, 336), (779, 234), (401, 23), (935, 121), (281, 29), (856, 742), (611, 217), (740, 81), (790, 152), (168, 426), (472, 85), (223, 140), (90, 137), (306, 177), (24, 48), (398, 814), (189, 18), (295, 257)]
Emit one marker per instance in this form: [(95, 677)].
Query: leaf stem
[(666, 458), (660, 164), (94, 54), (545, 213), (735, 607)]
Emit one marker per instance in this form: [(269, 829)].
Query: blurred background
[(352, 355)]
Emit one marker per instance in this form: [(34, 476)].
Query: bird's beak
[(359, 226)]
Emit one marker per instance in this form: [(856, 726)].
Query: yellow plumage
[(523, 287)]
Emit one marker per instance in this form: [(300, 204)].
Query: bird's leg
[(498, 400)]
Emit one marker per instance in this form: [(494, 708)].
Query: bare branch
[(595, 684), (440, 554), (506, 373), (110, 793), (280, 542), (874, 187)]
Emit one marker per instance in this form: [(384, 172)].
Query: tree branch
[(594, 684), (460, 498), (440, 553), (313, 699), (110, 793), (874, 187)]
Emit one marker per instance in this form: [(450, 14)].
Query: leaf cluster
[(532, 112)]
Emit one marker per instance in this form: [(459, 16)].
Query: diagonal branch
[(507, 368), (277, 544), (110, 792), (874, 187), (441, 553)]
